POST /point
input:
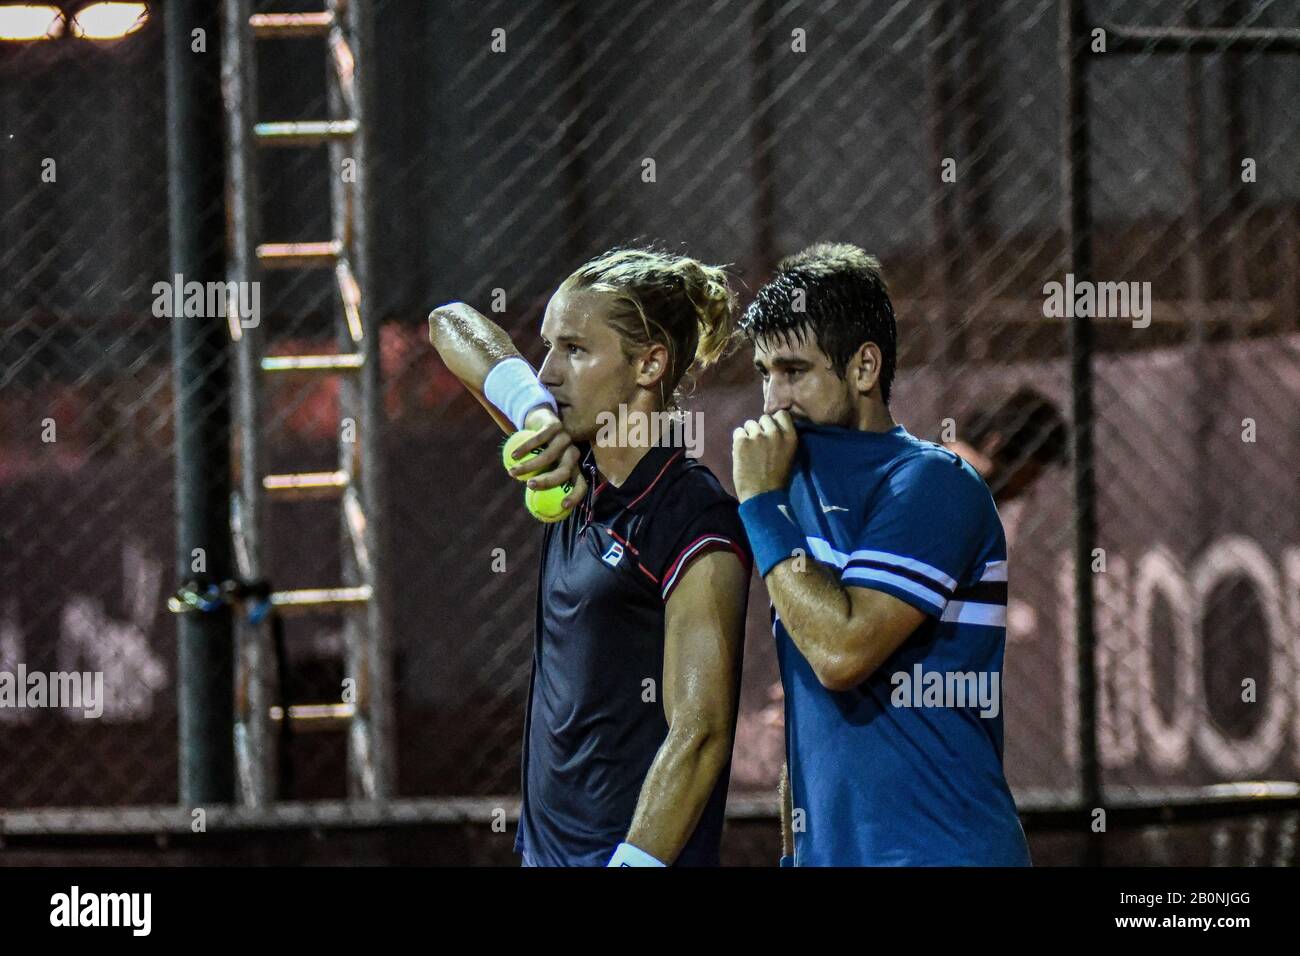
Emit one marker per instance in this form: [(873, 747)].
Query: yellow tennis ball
[(513, 442), (545, 505)]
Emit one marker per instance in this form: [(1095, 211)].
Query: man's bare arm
[(843, 633), (704, 633), (470, 344)]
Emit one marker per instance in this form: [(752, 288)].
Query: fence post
[(1076, 221), (195, 182)]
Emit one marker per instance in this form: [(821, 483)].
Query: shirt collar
[(898, 431), (645, 474)]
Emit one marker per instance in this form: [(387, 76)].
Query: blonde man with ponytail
[(642, 593)]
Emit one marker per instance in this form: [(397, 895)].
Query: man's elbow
[(437, 331), (843, 671), (439, 320), (453, 321)]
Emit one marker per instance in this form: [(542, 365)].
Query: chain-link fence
[(510, 142)]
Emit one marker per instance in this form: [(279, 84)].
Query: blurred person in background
[(1012, 442)]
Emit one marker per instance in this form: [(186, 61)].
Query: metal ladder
[(366, 714)]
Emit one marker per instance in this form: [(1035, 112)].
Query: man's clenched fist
[(761, 454)]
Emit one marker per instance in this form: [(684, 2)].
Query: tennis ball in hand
[(545, 505), (513, 442)]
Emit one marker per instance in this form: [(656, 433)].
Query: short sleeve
[(716, 528), (927, 527)]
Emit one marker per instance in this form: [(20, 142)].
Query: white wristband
[(512, 387), (628, 855)]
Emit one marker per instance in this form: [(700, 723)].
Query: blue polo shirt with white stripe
[(906, 768)]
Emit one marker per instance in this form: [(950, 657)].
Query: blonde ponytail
[(670, 300)]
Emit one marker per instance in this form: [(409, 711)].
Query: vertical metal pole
[(577, 208), (1076, 223), (941, 270), (974, 102), (196, 219), (1194, 270), (342, 208), (256, 737), (763, 137), (1235, 133), (379, 649), (345, 210), (1204, 400)]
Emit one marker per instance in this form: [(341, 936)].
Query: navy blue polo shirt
[(590, 736)]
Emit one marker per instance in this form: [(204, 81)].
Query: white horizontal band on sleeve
[(969, 612), (868, 575), (513, 387), (911, 564), (994, 571), (821, 550)]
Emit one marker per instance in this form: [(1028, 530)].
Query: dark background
[(507, 170)]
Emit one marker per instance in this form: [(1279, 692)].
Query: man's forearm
[(676, 791), (471, 344), (468, 342), (816, 613)]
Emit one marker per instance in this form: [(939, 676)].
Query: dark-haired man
[(886, 564)]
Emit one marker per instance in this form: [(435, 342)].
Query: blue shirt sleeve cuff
[(772, 536)]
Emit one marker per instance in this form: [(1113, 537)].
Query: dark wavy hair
[(835, 293)]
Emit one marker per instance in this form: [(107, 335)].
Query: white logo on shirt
[(827, 509), (614, 555)]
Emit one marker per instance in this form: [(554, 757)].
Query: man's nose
[(546, 374), (775, 399)]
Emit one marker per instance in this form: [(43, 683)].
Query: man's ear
[(867, 363), (653, 365)]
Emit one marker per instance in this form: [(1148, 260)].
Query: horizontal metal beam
[(1124, 38), (303, 132), (1167, 805), (299, 255), (343, 362), (268, 26), (306, 484), (316, 718), (320, 599), (151, 820)]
